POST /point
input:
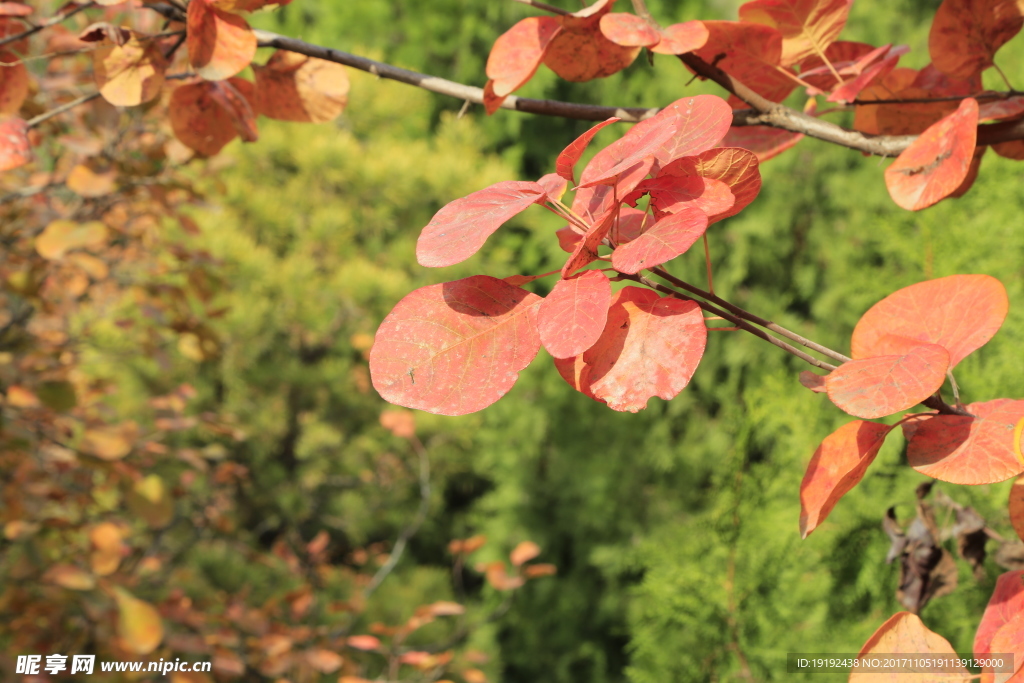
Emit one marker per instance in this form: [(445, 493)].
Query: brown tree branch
[(544, 6), (52, 21)]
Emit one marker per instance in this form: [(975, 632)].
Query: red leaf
[(808, 27), (849, 58), (836, 467), (766, 143), (813, 381), (576, 372), (972, 173), (737, 168), (663, 241), (363, 642), (237, 105), (994, 110), (1010, 150), (566, 162), (492, 102), (700, 122), (965, 34), (554, 187), (14, 9), (518, 52), (455, 348), (959, 313), (968, 450), (1017, 506), (568, 239), (935, 164), (580, 52), (207, 115), (13, 83), (585, 252), (1007, 601), (849, 90), (631, 224), (458, 230), (650, 346), (629, 30), (1009, 639), (880, 386), (294, 87), (752, 54), (15, 149), (673, 193), (571, 318), (904, 633), (679, 39), (220, 44), (635, 147)]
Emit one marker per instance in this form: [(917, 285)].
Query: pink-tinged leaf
[(1016, 506), (836, 467), (581, 53), (554, 187), (808, 27), (14, 9), (936, 163), (737, 168), (631, 224), (492, 102), (635, 147), (941, 84), (568, 239), (995, 110), (571, 318), (458, 230), (651, 346), (849, 90), (455, 348), (966, 34), (1009, 639), (959, 313), (848, 58), (700, 122), (905, 634), (672, 193), (880, 386), (518, 52), (679, 39), (753, 54), (967, 450), (663, 241), (585, 252), (629, 30), (766, 143), (813, 381), (566, 162), (972, 173), (15, 149), (1007, 602), (363, 642), (220, 44), (576, 373)]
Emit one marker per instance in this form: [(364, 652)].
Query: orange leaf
[(1009, 639), (813, 381), (650, 346), (967, 450), (566, 161), (86, 182), (808, 27), (765, 142), (576, 373), (444, 608), (110, 442), (363, 642), (457, 347), (518, 52), (324, 661), (138, 623), (1017, 506), (524, 552), (965, 34), (15, 149), (401, 423), (294, 87), (902, 633), (129, 74), (972, 173), (580, 52), (534, 571), (679, 39), (72, 578), (498, 577), (959, 313), (752, 54), (205, 116), (935, 164), (629, 30), (1007, 602), (62, 236), (571, 318), (220, 44), (13, 83), (837, 465), (883, 385), (737, 168)]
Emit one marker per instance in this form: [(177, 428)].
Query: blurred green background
[(674, 530)]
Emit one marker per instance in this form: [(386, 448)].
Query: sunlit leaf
[(681, 38), (903, 633), (518, 52), (836, 467), (15, 149), (700, 123), (959, 313), (1007, 602), (629, 30), (458, 230), (363, 642), (672, 193), (62, 236), (752, 54), (1016, 506), (667, 238), (70, 577), (524, 552), (580, 52), (294, 87), (966, 34), (129, 74), (220, 44), (107, 548), (968, 450), (883, 385), (138, 623), (110, 442), (457, 347), (206, 115), (13, 83), (737, 168), (566, 162), (85, 182), (571, 318), (808, 27)]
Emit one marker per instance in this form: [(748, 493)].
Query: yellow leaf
[(67, 576), (107, 545), (150, 500), (129, 74), (20, 397), (86, 182), (138, 623), (111, 442), (61, 236)]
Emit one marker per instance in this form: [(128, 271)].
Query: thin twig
[(46, 116), (52, 21), (544, 6)]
